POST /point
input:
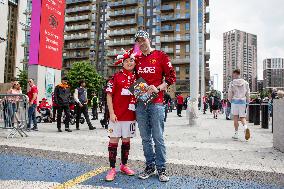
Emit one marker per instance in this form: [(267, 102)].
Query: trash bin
[(256, 117), (264, 115), (251, 112)]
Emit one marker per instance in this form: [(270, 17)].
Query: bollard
[(264, 115), (256, 116), (250, 111)]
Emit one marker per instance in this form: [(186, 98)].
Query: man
[(94, 103), (62, 99), (167, 101), (155, 68), (239, 96), (81, 99), (32, 94), (179, 104), (45, 105)]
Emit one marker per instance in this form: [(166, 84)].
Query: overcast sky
[(265, 18)]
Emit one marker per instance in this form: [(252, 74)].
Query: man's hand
[(152, 89), (30, 103), (113, 118), (81, 105), (163, 86)]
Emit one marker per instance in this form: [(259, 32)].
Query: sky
[(264, 18)]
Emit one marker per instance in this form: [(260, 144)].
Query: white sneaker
[(236, 137)]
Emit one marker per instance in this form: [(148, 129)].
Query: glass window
[(178, 15), (187, 26), (187, 5), (177, 27), (187, 48), (187, 15), (178, 6)]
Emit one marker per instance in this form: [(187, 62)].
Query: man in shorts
[(239, 96)]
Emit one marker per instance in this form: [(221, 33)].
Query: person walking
[(167, 102), (215, 106), (155, 68), (62, 97), (32, 94), (239, 96), (121, 105), (94, 103), (81, 99), (180, 104)]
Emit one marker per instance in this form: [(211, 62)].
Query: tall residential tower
[(240, 51)]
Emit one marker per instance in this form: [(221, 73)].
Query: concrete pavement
[(205, 151)]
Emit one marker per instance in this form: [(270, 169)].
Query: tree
[(85, 71), (23, 80)]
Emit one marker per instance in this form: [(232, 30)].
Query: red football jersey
[(179, 99), (121, 97), (154, 68), (31, 93)]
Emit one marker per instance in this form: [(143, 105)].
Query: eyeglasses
[(29, 81)]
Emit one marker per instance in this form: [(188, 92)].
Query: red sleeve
[(111, 85), (40, 105), (34, 90), (168, 70)]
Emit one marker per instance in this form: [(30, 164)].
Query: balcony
[(122, 23), (77, 46), (122, 3), (180, 61), (77, 1), (175, 39), (207, 35), (167, 29), (114, 53), (123, 42), (166, 8), (78, 27), (78, 9), (77, 18), (173, 18), (76, 36), (168, 50), (207, 55), (207, 15), (122, 32), (123, 13), (74, 56)]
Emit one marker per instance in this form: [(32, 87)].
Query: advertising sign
[(47, 33)]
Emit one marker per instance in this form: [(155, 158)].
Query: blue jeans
[(150, 120), (32, 115)]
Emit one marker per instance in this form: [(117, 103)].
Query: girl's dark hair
[(81, 81)]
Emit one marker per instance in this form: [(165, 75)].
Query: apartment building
[(12, 37), (273, 73), (240, 51), (84, 35), (168, 24)]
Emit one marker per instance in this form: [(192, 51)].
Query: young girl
[(121, 104)]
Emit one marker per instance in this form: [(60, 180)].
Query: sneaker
[(68, 130), (92, 128), (126, 170), (111, 175), (59, 130), (28, 129), (149, 171), (35, 129), (247, 134), (236, 137), (163, 177)]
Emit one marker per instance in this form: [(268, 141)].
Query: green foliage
[(264, 93), (23, 80), (85, 71)]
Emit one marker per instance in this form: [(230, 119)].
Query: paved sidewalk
[(208, 144)]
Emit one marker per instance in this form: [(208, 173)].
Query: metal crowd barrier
[(14, 114)]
